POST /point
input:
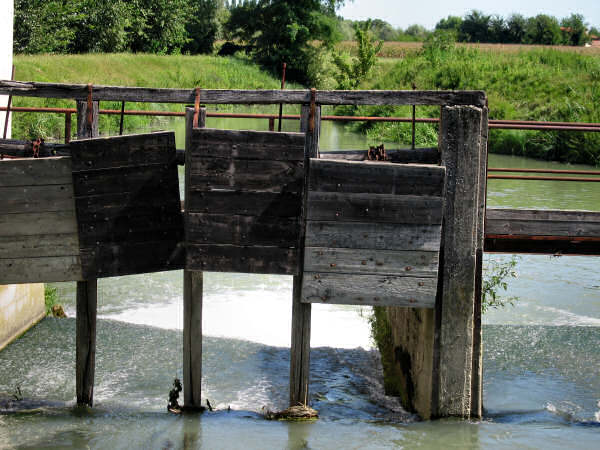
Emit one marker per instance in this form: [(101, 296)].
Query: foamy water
[(260, 316)]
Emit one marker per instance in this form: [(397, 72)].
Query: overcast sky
[(402, 13)]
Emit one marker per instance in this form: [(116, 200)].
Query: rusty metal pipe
[(574, 172), (521, 177)]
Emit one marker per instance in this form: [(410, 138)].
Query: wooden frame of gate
[(451, 376)]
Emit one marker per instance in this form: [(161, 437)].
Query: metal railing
[(493, 124)]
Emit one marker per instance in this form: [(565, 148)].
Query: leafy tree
[(516, 29), (543, 29), (201, 26), (351, 73), (280, 31), (450, 23), (44, 26), (417, 31), (101, 26), (475, 27), (498, 29), (574, 30)]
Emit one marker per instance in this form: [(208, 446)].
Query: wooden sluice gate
[(407, 233)]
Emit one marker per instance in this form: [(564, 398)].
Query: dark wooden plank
[(241, 230), (383, 290), (230, 96), (232, 258), (35, 172), (364, 261), (22, 199), (542, 222), (264, 204), (85, 355), (125, 229), (105, 207), (40, 269), (247, 144), (375, 178), (59, 222), (377, 236), (119, 151), (126, 258), (36, 246), (402, 155), (545, 245), (143, 179), (240, 174), (301, 312), (334, 206), (192, 338)]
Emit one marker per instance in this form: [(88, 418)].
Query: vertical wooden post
[(87, 300), (460, 144), (192, 297), (477, 379), (301, 312)]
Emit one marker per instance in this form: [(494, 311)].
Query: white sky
[(402, 13)]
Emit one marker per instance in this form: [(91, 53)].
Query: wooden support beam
[(85, 340), (301, 312), (477, 369), (460, 145), (231, 96), (192, 298)]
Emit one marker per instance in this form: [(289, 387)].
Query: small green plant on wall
[(495, 280)]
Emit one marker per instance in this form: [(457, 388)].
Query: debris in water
[(298, 412), (18, 395), (210, 408), (58, 312), (173, 405), (377, 153)]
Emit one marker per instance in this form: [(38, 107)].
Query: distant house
[(595, 41)]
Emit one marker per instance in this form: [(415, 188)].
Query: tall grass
[(542, 84), (173, 71)]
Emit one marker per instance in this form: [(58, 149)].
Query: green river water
[(541, 357)]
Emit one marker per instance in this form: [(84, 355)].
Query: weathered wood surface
[(368, 289), (243, 197), (235, 258), (376, 178), (384, 208), (85, 354), (246, 174), (243, 230), (377, 236), (41, 269), (28, 172), (39, 199), (460, 144), (382, 262), (553, 245), (302, 312), (401, 156), (86, 129), (373, 233), (477, 369), (24, 149), (230, 96), (38, 228), (128, 206), (120, 151), (192, 338), (523, 222)]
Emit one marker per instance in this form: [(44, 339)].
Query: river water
[(541, 357)]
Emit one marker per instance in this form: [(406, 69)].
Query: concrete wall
[(21, 305)]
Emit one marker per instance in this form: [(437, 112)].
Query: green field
[(528, 84), (173, 71)]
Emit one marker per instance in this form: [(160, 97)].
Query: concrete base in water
[(21, 307), (405, 337)]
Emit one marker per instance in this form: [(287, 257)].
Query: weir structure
[(405, 233)]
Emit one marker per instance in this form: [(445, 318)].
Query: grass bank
[(173, 71), (539, 84)]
